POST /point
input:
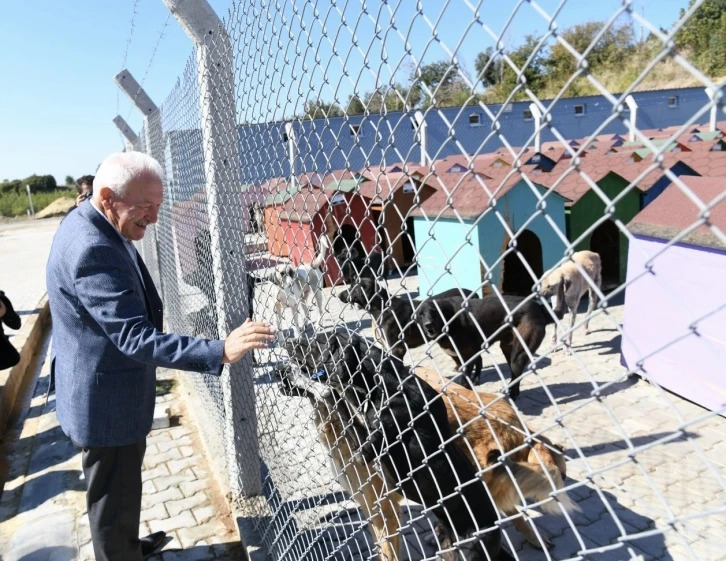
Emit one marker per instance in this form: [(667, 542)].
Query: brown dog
[(499, 428)]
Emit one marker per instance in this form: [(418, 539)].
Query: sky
[(59, 98)]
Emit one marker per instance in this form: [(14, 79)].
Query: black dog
[(485, 317), (407, 426), (355, 262), (394, 316)]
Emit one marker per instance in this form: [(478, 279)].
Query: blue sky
[(60, 58)]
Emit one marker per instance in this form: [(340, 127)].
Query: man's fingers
[(257, 327), (257, 337)]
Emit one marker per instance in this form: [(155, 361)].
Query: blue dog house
[(461, 236)]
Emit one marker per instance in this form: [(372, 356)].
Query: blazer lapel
[(153, 301)]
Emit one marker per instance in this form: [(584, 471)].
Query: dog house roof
[(674, 211)]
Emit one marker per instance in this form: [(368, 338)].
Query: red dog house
[(302, 217)]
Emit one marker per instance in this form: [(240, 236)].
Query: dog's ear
[(344, 297), (493, 456)]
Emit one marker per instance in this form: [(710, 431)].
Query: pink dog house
[(673, 330)]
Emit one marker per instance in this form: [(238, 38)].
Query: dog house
[(190, 217), (301, 220), (460, 233), (394, 192), (674, 328), (280, 191)]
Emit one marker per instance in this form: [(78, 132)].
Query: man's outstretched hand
[(247, 337)]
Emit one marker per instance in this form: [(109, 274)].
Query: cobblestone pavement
[(42, 508), (646, 467)]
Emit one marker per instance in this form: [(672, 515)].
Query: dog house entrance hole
[(408, 242), (515, 277), (605, 241)]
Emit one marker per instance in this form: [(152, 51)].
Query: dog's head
[(346, 360), (363, 293), (283, 275), (431, 316), (294, 382), (555, 285)]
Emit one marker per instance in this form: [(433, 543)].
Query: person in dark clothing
[(84, 189), (9, 355)]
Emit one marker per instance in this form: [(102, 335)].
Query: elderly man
[(108, 342)]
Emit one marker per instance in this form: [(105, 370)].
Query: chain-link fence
[(422, 233)]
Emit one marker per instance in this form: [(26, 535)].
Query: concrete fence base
[(13, 380)]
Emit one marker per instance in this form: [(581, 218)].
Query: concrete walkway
[(25, 245), (42, 507)]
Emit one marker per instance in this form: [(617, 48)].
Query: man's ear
[(105, 196)]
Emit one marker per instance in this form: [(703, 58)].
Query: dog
[(393, 317), (395, 420), (575, 286), (486, 432), (296, 286), (355, 263), (490, 425), (469, 330)]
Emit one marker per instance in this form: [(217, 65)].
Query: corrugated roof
[(673, 212)]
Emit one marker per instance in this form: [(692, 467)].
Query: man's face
[(139, 208)]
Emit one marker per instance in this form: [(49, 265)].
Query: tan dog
[(499, 428)]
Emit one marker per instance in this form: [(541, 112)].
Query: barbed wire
[(126, 55)]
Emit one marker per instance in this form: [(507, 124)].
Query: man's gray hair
[(121, 168)]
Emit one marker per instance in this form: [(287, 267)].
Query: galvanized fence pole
[(220, 144)]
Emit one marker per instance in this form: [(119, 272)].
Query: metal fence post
[(223, 186), (129, 135), (633, 106), (537, 116), (152, 121), (421, 131)]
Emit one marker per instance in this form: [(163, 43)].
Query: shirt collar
[(98, 210)]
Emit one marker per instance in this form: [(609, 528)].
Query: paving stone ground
[(42, 507), (646, 467)]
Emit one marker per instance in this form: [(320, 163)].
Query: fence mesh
[(422, 234)]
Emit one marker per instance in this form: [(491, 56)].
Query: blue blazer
[(107, 335)]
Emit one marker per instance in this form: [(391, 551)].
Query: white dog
[(296, 286)]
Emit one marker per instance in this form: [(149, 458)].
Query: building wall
[(686, 283), (517, 206), (329, 144), (447, 255), (591, 208)]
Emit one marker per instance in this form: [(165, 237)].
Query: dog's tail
[(531, 481)]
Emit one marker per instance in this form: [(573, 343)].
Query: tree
[(40, 182), (320, 109), (613, 48), (355, 105), (70, 180), (443, 79), (704, 35), (488, 68)]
